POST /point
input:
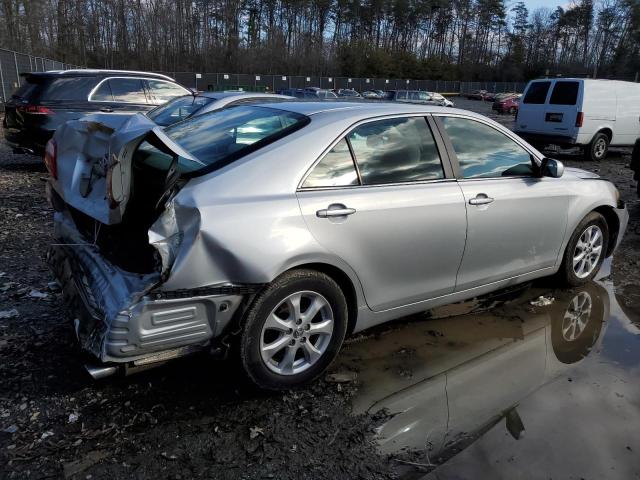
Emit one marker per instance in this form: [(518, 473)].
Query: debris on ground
[(542, 301), (341, 377), (9, 313)]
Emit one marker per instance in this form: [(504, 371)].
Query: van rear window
[(565, 93), (537, 93)]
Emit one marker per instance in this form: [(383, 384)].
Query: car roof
[(88, 72), (227, 94), (364, 109)]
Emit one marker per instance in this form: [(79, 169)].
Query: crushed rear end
[(117, 233)]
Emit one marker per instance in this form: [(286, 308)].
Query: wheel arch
[(345, 283), (608, 131), (613, 224)]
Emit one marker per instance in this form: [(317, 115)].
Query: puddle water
[(510, 386)]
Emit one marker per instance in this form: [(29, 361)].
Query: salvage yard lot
[(195, 417)]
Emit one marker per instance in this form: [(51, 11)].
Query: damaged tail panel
[(117, 237)]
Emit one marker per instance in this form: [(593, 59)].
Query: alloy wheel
[(600, 148), (296, 333), (588, 251), (577, 316)]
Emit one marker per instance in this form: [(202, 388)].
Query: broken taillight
[(579, 119), (113, 203), (50, 158), (39, 109)]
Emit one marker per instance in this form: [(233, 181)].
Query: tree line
[(420, 39)]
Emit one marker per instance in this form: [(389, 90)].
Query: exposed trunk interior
[(126, 244)]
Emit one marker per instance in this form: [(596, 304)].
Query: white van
[(580, 112)]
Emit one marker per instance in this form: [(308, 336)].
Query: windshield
[(178, 109), (217, 138)]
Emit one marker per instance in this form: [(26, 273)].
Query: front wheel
[(293, 330), (585, 251)]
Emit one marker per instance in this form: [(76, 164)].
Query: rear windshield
[(178, 109), (219, 137), (537, 93), (565, 93), (55, 89)]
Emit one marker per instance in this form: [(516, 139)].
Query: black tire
[(566, 273), (598, 148), (265, 302)]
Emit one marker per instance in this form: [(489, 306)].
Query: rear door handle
[(106, 109), (335, 210), (481, 199)]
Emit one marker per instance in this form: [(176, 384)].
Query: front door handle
[(481, 199), (335, 210), (106, 109)]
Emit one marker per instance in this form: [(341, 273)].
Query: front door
[(392, 216), (516, 220)]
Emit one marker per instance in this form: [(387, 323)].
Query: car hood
[(579, 173)]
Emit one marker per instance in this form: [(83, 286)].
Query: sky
[(551, 4)]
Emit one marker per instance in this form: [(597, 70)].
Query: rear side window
[(164, 91), (565, 93), (336, 169), (127, 90), (537, 93), (396, 150)]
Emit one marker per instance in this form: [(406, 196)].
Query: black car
[(46, 100)]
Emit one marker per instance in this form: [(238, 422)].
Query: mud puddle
[(532, 383)]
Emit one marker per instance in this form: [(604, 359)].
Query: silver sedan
[(281, 229)]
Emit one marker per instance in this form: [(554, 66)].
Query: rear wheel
[(293, 330), (598, 148), (585, 251)]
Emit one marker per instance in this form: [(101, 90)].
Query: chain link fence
[(12, 64)]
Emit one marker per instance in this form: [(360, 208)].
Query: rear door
[(516, 220), (531, 116), (562, 109), (396, 215), (120, 95)]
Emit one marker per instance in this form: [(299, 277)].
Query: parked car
[(635, 164), (410, 96), (252, 226), (441, 99), (309, 93), (348, 92), (506, 105), (188, 106), (593, 114), (477, 94), (46, 100), (372, 95)]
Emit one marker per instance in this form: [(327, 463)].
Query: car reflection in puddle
[(509, 383)]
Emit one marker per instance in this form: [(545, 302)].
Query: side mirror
[(551, 168)]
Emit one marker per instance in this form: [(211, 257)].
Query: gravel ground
[(192, 418)]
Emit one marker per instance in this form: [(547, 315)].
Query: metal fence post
[(15, 60), (4, 95)]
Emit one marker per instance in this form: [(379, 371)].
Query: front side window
[(484, 152), (537, 93), (164, 91), (127, 90), (396, 150), (177, 109), (216, 138), (336, 169), (564, 93)]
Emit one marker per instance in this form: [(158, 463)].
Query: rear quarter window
[(66, 89), (565, 93), (537, 93)]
